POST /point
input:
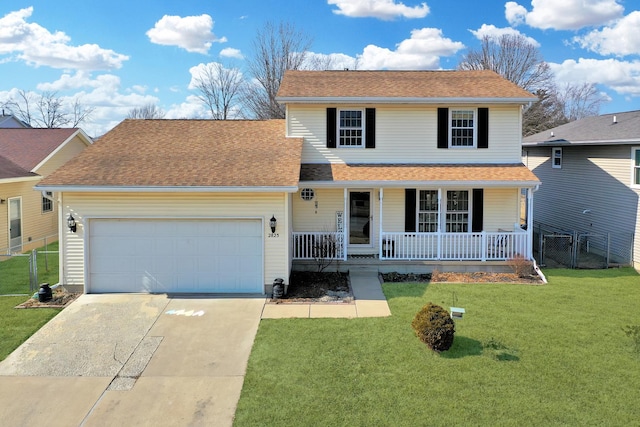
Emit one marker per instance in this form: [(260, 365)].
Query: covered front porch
[(464, 220)]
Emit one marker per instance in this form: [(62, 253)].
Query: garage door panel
[(175, 256)]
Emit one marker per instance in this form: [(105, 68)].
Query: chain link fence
[(22, 273), (554, 247)]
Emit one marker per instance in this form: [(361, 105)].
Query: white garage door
[(175, 256)]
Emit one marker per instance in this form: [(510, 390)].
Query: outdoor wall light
[(71, 223), (272, 223)]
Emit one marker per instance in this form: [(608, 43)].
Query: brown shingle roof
[(427, 173), (482, 84), (28, 147), (186, 153), (8, 170)]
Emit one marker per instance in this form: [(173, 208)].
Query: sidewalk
[(367, 293)]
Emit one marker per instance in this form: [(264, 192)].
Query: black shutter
[(443, 128), (370, 128), (478, 210), (483, 128), (331, 128), (410, 210)]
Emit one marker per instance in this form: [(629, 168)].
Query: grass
[(14, 272), (522, 355), (18, 325)]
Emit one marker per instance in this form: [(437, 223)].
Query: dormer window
[(350, 128)]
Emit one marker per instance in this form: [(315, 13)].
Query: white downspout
[(380, 198), (345, 231)]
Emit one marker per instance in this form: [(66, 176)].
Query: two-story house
[(416, 167)]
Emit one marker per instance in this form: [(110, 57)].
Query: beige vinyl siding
[(593, 178), (85, 206), (307, 218), (405, 134), (501, 209), (393, 209), (66, 153), (36, 225)]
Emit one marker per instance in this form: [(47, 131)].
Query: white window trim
[(555, 150), (475, 127), (49, 193), (438, 211), (633, 167), (363, 137), (469, 210)]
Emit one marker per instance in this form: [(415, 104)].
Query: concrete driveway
[(139, 360)]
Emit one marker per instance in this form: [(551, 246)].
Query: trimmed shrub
[(434, 326)]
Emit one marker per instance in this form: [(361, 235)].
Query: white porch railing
[(314, 245), (484, 246)]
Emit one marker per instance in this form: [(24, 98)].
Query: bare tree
[(513, 57), (219, 89), (276, 49), (147, 111), (580, 100), (48, 110), (545, 113)]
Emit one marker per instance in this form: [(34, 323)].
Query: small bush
[(521, 266), (434, 326)]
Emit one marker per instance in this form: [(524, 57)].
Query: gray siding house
[(590, 174)]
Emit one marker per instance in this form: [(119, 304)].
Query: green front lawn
[(14, 272), (19, 324), (523, 355)]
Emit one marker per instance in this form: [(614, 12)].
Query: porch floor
[(369, 301)]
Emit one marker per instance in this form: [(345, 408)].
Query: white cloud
[(381, 9), (621, 76), (230, 52), (200, 71), (191, 108), (37, 46), (495, 32), (422, 51), (332, 61), (623, 38), (192, 33), (564, 14)]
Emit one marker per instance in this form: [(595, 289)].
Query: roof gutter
[(183, 189), (564, 142), (396, 100), (419, 184), (20, 179)]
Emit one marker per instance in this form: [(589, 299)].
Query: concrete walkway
[(367, 292)]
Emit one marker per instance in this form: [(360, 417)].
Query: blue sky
[(118, 55)]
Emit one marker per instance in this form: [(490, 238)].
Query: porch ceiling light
[(272, 223), (71, 223)]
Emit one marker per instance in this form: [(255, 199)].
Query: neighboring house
[(26, 156), (10, 121), (420, 168), (590, 174)]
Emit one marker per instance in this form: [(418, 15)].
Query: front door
[(360, 218), (15, 224)]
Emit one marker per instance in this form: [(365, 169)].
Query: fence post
[(33, 270)]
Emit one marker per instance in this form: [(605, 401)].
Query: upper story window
[(428, 211), (463, 128), (635, 179), (47, 202), (457, 217), (556, 158), (350, 128)]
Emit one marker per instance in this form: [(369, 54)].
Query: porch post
[(529, 223), (380, 198), (345, 229)]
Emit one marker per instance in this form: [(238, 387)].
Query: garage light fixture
[(71, 223), (272, 223)]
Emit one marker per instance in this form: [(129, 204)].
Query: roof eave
[(419, 184), (165, 189), (564, 142), (401, 100)]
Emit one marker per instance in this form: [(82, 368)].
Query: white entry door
[(190, 256), (15, 224)]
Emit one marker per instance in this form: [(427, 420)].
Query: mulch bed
[(450, 277), (60, 299), (310, 286)]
